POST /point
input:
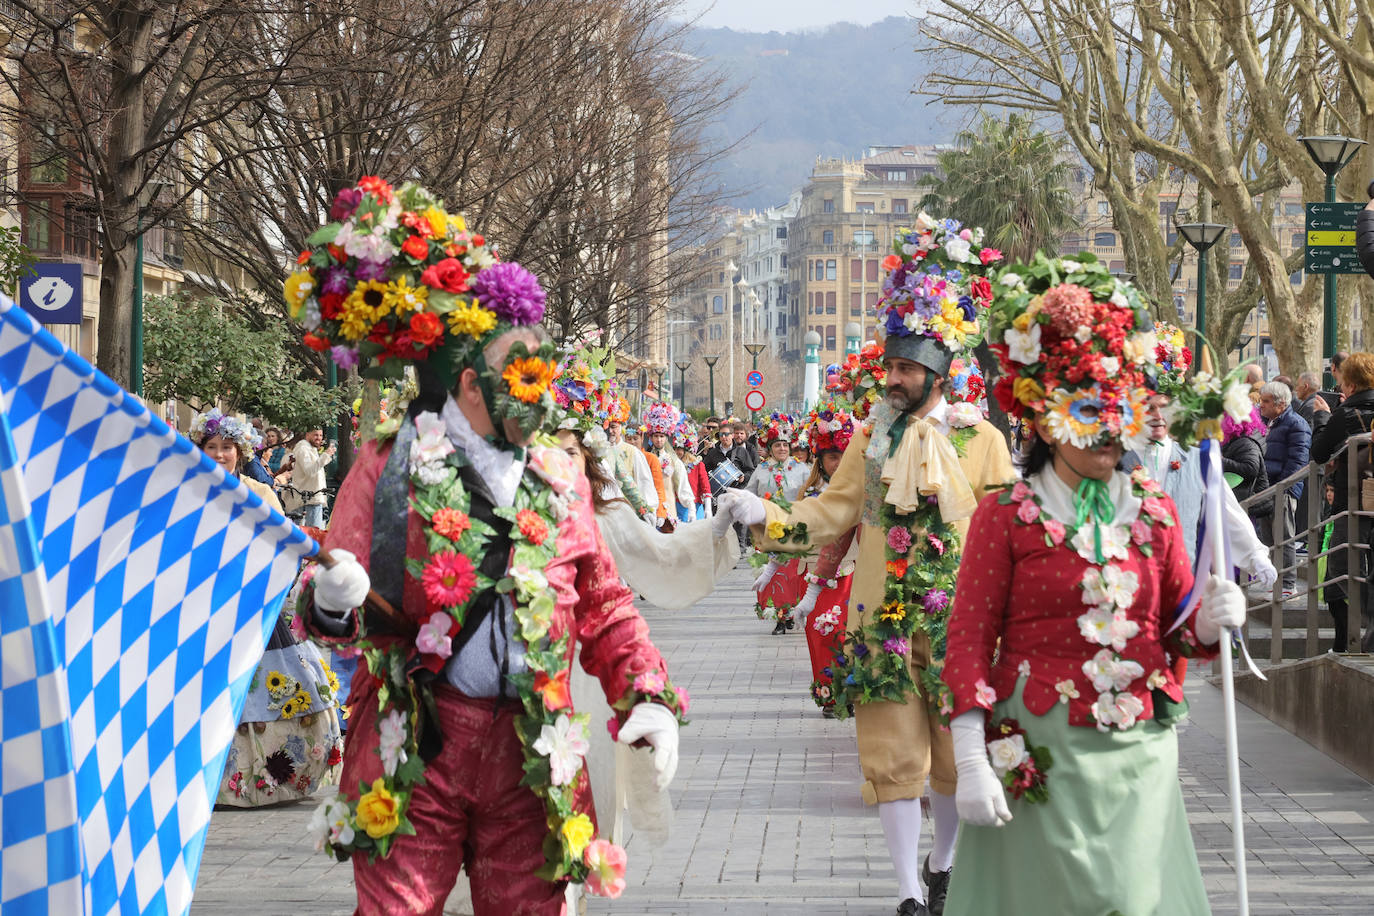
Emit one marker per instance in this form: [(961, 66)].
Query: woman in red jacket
[(685, 444)]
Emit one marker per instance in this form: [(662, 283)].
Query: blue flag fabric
[(138, 587)]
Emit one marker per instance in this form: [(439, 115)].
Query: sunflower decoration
[(393, 279)]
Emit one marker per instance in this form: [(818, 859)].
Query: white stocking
[(901, 821), (945, 814)]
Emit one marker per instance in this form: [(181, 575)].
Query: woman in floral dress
[(780, 478), (1072, 603), (288, 743)]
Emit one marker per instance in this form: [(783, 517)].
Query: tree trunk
[(116, 310)]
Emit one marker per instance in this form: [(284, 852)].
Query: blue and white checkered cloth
[(138, 587)]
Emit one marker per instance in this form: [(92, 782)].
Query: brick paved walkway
[(769, 818)]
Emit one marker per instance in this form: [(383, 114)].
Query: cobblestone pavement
[(768, 816)]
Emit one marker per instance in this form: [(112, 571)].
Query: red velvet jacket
[(592, 602), (1015, 587)]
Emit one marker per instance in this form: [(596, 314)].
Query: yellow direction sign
[(1332, 238)]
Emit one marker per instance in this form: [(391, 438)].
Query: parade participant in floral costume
[(688, 448), (779, 477), (910, 479), (662, 420), (465, 562), (288, 742), (631, 467), (1065, 621)]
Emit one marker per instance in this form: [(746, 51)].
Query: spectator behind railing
[(1285, 453), (1353, 416), (1242, 454)]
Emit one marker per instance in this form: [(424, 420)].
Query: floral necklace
[(554, 738)]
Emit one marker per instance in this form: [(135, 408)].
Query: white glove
[(657, 725), (721, 524), (743, 506), (766, 576), (343, 586), (807, 604), (1261, 569), (979, 795), (1223, 605)]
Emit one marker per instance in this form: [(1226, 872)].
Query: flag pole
[(1215, 523)]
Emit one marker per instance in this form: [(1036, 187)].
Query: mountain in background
[(830, 92)]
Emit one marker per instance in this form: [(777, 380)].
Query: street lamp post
[(711, 370), (1330, 153), (658, 376), (730, 387), (682, 367), (1201, 236), (852, 332)]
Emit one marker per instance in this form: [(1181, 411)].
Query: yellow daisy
[(471, 319), (276, 682), (402, 298), (370, 295), (893, 610), (296, 290)]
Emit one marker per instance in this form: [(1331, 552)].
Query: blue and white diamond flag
[(138, 587)]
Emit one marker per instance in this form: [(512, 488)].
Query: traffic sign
[(754, 400), (755, 377), (51, 293), (1331, 238)]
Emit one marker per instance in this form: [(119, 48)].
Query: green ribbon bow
[(895, 434), (1092, 503)]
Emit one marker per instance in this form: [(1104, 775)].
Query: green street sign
[(1331, 238)]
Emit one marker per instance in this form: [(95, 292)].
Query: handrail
[(1314, 479)]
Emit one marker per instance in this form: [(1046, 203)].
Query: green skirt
[(1112, 839)]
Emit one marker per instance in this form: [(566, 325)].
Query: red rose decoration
[(331, 304), (416, 247), (891, 263), (988, 255), (303, 257), (426, 328), (377, 186), (316, 343), (478, 240), (981, 288), (447, 275)]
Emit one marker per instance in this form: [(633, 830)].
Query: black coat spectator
[(1286, 447)]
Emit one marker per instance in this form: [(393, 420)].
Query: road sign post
[(754, 400), (1331, 238)]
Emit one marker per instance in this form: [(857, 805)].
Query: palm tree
[(1012, 180)]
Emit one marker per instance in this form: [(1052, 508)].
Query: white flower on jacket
[(1110, 587), (1121, 710), (964, 414), (565, 744), (1115, 539), (330, 823), (1067, 690), (391, 734), (528, 581), (1108, 672), (1007, 753), (430, 445)]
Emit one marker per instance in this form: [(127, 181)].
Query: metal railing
[(1293, 624)]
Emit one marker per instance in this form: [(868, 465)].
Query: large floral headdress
[(829, 427), (393, 279), (1173, 359), (777, 428), (934, 291), (584, 388), (212, 423), (1077, 348), (661, 417), (859, 381)]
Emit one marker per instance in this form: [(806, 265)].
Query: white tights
[(901, 822)]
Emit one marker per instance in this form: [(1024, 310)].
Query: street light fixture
[(1201, 236), (711, 368), (1125, 276), (1331, 154), (682, 366)]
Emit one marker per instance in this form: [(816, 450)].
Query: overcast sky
[(793, 15)]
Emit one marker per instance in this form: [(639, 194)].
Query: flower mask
[(523, 390), (1096, 416)]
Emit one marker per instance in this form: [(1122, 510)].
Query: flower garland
[(1109, 592), (554, 738), (1020, 765)]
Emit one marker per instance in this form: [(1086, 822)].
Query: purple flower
[(346, 203), (370, 270), (897, 645), (936, 600), (344, 358), (512, 292), (966, 304), (336, 280), (895, 324), (860, 651)]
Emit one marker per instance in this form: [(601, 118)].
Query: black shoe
[(781, 628), (909, 907), (828, 711), (791, 624), (937, 887)]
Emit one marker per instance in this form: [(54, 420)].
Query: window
[(1105, 240), (783, 266), (871, 268), (1170, 237), (781, 233), (827, 206), (1116, 267), (47, 165), (820, 269), (1167, 208), (716, 332), (828, 237), (898, 205), (896, 174), (872, 302), (1292, 209), (1295, 278), (1104, 208), (829, 269), (718, 305), (864, 237), (1237, 270), (856, 305), (1299, 240), (37, 228), (866, 207), (1235, 239), (721, 277), (830, 337), (79, 226), (830, 303), (1178, 305), (856, 270)]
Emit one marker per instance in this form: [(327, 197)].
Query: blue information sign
[(51, 293), (755, 378)]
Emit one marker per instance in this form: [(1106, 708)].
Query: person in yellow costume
[(911, 479)]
